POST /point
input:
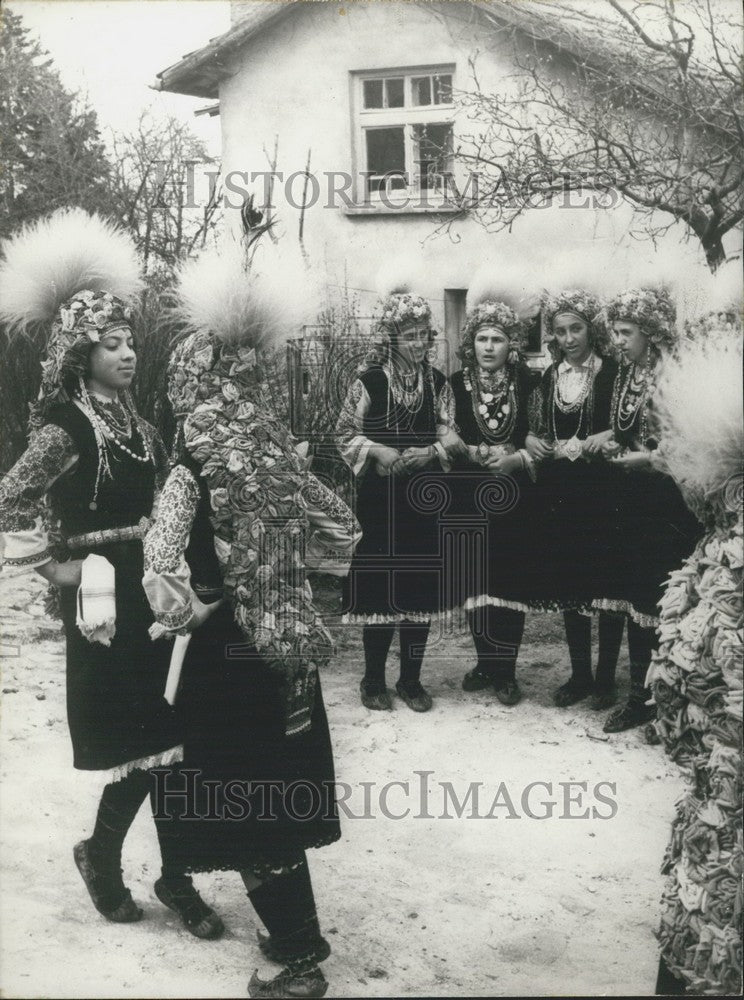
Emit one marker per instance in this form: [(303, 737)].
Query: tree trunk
[(714, 252)]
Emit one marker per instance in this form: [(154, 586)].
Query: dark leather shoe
[(508, 692), (110, 896), (414, 695), (374, 697), (273, 951), (603, 697), (199, 919), (477, 680), (633, 713), (311, 983), (572, 692)]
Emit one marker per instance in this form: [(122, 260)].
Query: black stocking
[(641, 644), (376, 640), (413, 638), (611, 629), (120, 803), (286, 905), (497, 635), (169, 824), (579, 639)]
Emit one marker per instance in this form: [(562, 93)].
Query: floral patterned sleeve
[(447, 430), (23, 536), (167, 579), (334, 531), (159, 454), (350, 439), (536, 406)]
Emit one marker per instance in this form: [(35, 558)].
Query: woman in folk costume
[(239, 523), (696, 676), (491, 479), (655, 529), (387, 432), (96, 462), (572, 542)]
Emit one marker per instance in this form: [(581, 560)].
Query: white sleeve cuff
[(356, 453), (442, 455), (529, 464), (25, 549)]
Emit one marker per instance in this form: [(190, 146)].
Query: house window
[(404, 134)]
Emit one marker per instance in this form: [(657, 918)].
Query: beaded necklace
[(114, 414), (587, 381), (631, 397), (585, 406), (407, 388), (494, 400), (106, 434), (409, 401)]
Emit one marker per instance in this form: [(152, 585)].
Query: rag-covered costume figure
[(654, 530), (697, 674), (388, 433), (91, 469), (240, 521), (491, 479), (571, 536)]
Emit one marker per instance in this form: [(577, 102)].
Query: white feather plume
[(399, 275), (505, 281), (726, 289), (219, 293), (700, 411), (52, 259)]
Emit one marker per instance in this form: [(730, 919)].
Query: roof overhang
[(199, 73)]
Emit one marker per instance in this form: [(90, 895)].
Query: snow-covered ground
[(493, 903)]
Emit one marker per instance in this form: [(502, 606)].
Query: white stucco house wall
[(360, 89)]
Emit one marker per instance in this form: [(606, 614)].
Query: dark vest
[(122, 500), (395, 426)]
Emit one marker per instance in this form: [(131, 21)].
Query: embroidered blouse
[(182, 522), (354, 444), (571, 377)]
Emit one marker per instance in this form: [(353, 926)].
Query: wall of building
[(291, 86)]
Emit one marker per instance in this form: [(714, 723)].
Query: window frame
[(406, 117)]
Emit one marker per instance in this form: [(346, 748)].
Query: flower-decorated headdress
[(76, 276), (488, 301), (398, 307), (217, 386), (401, 308), (713, 301), (582, 303), (652, 309)]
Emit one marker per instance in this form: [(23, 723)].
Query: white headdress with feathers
[(400, 275), (221, 294), (507, 282), (699, 404), (51, 260)]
